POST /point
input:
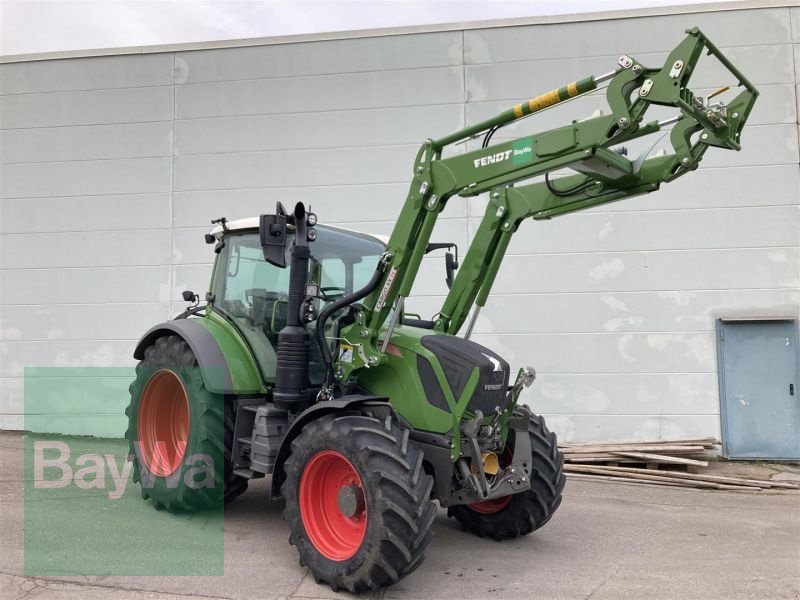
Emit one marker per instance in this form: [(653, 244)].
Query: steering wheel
[(332, 293)]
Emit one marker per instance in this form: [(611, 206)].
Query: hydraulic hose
[(336, 305)]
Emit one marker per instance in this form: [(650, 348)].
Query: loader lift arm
[(604, 175)]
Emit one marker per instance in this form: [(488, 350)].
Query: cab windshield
[(253, 294)]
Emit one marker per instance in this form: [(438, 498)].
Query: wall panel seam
[(75, 125), (81, 160), (327, 110), (725, 49), (171, 282)]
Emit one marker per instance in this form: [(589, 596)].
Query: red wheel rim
[(335, 535), (163, 423), (489, 507)]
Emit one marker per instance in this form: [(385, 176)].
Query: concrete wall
[(113, 166)]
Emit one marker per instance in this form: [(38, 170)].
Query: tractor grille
[(458, 357)]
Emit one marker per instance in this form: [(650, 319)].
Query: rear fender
[(213, 362), (357, 403)]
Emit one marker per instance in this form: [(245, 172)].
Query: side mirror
[(190, 296), (272, 232), (450, 266), (450, 259)]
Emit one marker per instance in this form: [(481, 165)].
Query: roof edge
[(252, 224), (728, 5)]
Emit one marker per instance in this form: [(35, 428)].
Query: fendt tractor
[(303, 364)]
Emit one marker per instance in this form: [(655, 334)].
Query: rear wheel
[(523, 513), (357, 502), (180, 434)]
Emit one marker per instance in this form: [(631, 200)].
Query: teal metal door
[(760, 406)]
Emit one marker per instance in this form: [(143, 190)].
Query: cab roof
[(252, 223)]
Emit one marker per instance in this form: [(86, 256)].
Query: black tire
[(396, 498), (199, 484), (528, 511)]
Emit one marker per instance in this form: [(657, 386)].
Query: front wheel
[(523, 513), (357, 502)]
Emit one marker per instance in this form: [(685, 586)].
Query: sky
[(31, 26)]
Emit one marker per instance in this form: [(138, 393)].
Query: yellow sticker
[(346, 353), (572, 89), (543, 101)]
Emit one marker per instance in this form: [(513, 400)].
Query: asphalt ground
[(607, 541)]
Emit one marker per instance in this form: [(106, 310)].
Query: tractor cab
[(253, 294)]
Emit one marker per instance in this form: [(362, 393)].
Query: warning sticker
[(386, 287), (346, 353)]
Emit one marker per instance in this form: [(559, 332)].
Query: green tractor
[(303, 364)]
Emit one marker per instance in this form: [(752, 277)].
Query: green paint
[(398, 379), (244, 370)]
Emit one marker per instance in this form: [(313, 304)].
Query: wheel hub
[(351, 500)]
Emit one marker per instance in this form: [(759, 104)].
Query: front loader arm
[(508, 207), (604, 175)]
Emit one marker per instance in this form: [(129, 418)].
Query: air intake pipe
[(291, 381)]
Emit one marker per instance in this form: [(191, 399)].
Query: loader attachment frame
[(586, 147)]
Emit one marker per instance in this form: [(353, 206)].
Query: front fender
[(315, 412)]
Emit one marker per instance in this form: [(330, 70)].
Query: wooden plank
[(582, 458), (646, 457), (693, 442), (621, 479), (639, 448), (586, 459), (626, 480), (634, 472), (711, 478), (618, 471), (634, 447)]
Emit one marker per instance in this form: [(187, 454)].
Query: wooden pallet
[(648, 454), (664, 462)]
